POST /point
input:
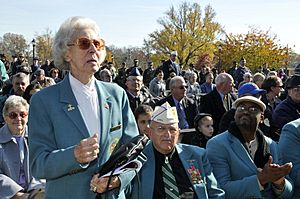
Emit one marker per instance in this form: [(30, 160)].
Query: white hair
[(67, 32)]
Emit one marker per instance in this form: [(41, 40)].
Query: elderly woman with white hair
[(16, 180), (74, 126)]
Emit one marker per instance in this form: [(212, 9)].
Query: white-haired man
[(220, 100), (173, 170)]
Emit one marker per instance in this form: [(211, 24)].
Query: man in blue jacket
[(245, 162), (189, 174)]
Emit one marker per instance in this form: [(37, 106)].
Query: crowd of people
[(230, 134)]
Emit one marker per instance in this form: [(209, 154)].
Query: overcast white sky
[(128, 22)]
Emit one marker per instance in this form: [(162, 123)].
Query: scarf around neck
[(262, 154)]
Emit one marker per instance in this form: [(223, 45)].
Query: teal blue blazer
[(208, 188), (235, 170), (56, 126), (289, 146)]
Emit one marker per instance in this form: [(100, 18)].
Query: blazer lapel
[(185, 157), (241, 152), (105, 107), (148, 174), (70, 106)]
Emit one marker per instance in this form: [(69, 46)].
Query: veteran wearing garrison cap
[(135, 90), (173, 170)]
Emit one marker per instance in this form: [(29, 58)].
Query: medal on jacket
[(70, 107), (194, 173)]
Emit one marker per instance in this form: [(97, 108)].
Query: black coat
[(189, 105), (168, 68), (212, 103)]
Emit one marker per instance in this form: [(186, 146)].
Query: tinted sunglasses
[(13, 115), (85, 43), (183, 87)]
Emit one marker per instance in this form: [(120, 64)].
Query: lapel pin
[(70, 107)]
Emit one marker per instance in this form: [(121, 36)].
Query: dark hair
[(158, 71), (269, 82), (142, 109), (30, 87), (198, 118)]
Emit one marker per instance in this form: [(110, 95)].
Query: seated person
[(245, 162), (289, 146), (42, 79), (143, 115), (172, 170), (204, 131), (16, 180)]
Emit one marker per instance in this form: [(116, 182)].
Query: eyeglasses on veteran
[(14, 115), (85, 43), (252, 109)]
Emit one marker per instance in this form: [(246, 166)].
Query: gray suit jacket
[(10, 165)]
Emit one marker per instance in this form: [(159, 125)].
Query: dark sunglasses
[(85, 43), (13, 115), (183, 87)]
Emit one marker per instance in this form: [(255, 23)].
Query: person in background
[(46, 67), (233, 68), (135, 90), (204, 131), (247, 89), (149, 74), (157, 86), (208, 85), (272, 73), (71, 122), (30, 90), (5, 61), (281, 74), (135, 66), (289, 109), (247, 77), (246, 163), (220, 100), (16, 180), (185, 106), (194, 88), (20, 81), (35, 64), (170, 169), (19, 62), (143, 115), (121, 76), (170, 66), (289, 146), (274, 87), (42, 79), (258, 79), (105, 75), (54, 74), (240, 71), (3, 73)]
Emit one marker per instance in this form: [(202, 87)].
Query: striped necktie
[(226, 102), (171, 188), (183, 124)]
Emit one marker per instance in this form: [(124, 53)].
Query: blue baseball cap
[(250, 88)]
